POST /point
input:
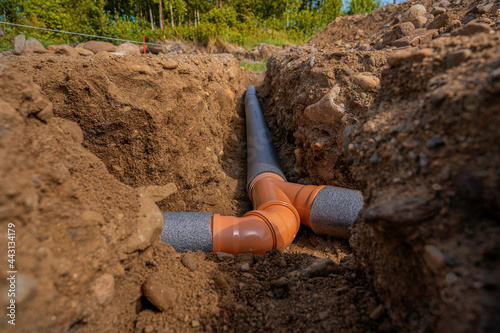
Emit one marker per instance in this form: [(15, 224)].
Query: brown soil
[(84, 141)]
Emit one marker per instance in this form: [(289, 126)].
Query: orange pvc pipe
[(279, 208)]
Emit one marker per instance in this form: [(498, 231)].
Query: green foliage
[(253, 65), (243, 22)]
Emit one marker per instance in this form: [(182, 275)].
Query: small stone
[(367, 82), (399, 31), (434, 258), (455, 24), (33, 45), (169, 64), (311, 62), (483, 9), (456, 58), (398, 58), (377, 313), (149, 329), (405, 211), (245, 267), (494, 76), (380, 45), (364, 47), (438, 11), (444, 3), (419, 22), (98, 46), (104, 288), (472, 29), (189, 261), (374, 159), (450, 259), (84, 52), (147, 228), (326, 110), (223, 256), (158, 193), (434, 143), (280, 288), (320, 267), (347, 46), (128, 49), (66, 50), (440, 95), (195, 323), (347, 70), (52, 48), (159, 294), (26, 288), (441, 21), (412, 12), (220, 280), (19, 44)]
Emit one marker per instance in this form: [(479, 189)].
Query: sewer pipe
[(279, 206)]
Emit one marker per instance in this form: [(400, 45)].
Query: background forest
[(242, 22)]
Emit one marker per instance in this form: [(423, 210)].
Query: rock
[(149, 329), (71, 128), (455, 24), (245, 267), (34, 46), (52, 48), (434, 143), (148, 226), (323, 314), (412, 12), (416, 39), (441, 21), (483, 9), (419, 22), (320, 267), (220, 280), (444, 3), (93, 218), (434, 258), (223, 256), (377, 312), (158, 193), (159, 294), (438, 11), (189, 261), (26, 288), (347, 46), (169, 64), (403, 211), (364, 47), (456, 58), (367, 82), (66, 50), (399, 31), (326, 111), (104, 288), (19, 44), (84, 52), (280, 288), (195, 323), (97, 46), (128, 49), (472, 29), (380, 45), (311, 62), (494, 76), (374, 159)]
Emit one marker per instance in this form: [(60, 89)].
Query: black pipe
[(261, 154)]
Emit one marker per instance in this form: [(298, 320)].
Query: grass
[(253, 65)]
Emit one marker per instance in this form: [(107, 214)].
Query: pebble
[(494, 76), (456, 58), (189, 261), (441, 21), (347, 46), (33, 45), (404, 211), (149, 329), (483, 9), (104, 288), (245, 267), (195, 323), (412, 12), (311, 63), (374, 159), (367, 82), (455, 24), (438, 11), (159, 294), (364, 47), (169, 64), (326, 110), (434, 258), (148, 226), (280, 287), (83, 52), (472, 29), (377, 312), (434, 143), (320, 267), (419, 22), (450, 259), (19, 43), (323, 314), (26, 288), (66, 50)]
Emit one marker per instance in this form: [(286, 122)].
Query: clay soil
[(94, 148)]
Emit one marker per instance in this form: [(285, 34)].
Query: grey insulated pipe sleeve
[(187, 231), (335, 210), (261, 154)]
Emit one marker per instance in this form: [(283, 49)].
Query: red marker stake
[(144, 43)]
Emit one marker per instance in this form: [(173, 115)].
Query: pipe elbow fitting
[(257, 231)]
